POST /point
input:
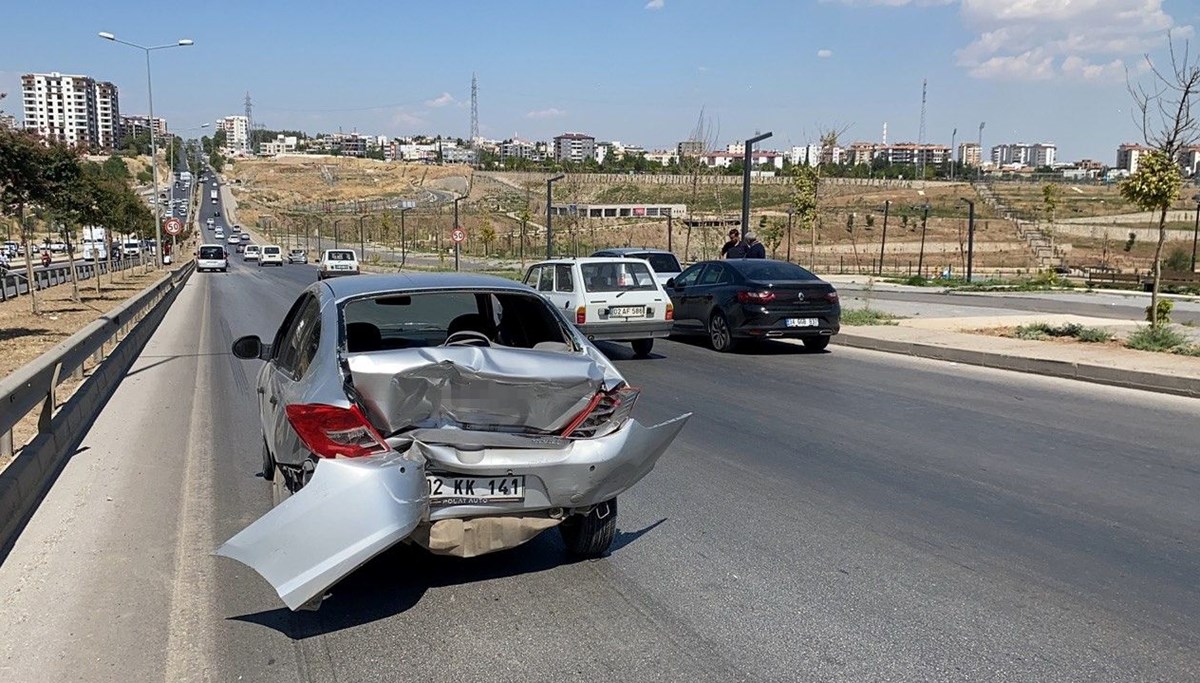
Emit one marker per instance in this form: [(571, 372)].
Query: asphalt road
[(837, 516)]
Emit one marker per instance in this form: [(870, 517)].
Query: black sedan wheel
[(719, 334), (816, 343), (641, 347)]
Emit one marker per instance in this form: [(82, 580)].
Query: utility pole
[(924, 222), (887, 205), (549, 219), (970, 236)]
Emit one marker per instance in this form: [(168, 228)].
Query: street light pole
[(403, 236), (921, 258), (887, 205), (789, 235), (336, 236), (970, 236), (747, 156), (158, 227), (457, 244), (550, 198), (362, 240)]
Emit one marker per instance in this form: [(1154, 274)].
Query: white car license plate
[(803, 322), (447, 489), (627, 311)]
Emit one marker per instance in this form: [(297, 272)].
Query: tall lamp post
[(403, 235), (1195, 230), (549, 199), (887, 205), (457, 244), (337, 241), (185, 42), (747, 157), (362, 239), (970, 236)]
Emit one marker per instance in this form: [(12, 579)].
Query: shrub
[(916, 281), (1156, 339), (867, 316), (1178, 260), (1164, 311), (1094, 335), (1040, 331)]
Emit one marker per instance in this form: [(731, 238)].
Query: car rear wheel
[(816, 343), (719, 334), (641, 347), (590, 535)]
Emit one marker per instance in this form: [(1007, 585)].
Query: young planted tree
[(487, 234), (1051, 194), (804, 204), (1168, 125)]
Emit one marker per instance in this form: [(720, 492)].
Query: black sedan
[(738, 299)]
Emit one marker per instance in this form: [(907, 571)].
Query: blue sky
[(629, 70)]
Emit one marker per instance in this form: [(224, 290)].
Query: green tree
[(804, 202), (1154, 187), (1169, 126), (487, 234), (114, 167)]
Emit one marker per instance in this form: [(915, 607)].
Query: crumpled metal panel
[(350, 511), (479, 536), (464, 385)]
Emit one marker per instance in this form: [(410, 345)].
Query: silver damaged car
[(463, 413)]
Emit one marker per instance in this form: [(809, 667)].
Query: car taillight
[(670, 312), (831, 297), (604, 414), (580, 315), (755, 297), (331, 432)]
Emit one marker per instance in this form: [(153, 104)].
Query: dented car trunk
[(457, 414)]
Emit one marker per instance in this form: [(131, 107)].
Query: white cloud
[(1045, 39), (824, 54), (407, 119), (655, 4), (441, 100), (551, 113)]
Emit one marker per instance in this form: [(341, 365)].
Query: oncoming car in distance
[(462, 413)]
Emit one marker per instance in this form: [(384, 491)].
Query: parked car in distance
[(271, 255), (367, 444), (663, 262), (609, 299), (337, 262), (212, 257), (250, 253), (297, 256), (736, 299)]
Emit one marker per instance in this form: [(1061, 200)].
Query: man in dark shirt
[(734, 241), (754, 248)]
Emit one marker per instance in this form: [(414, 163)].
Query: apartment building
[(139, 125), (970, 153), (237, 133), (901, 153), (1128, 156), (280, 145), (574, 147), (8, 121), (73, 109), (519, 149), (689, 148), (1021, 154), (725, 159)]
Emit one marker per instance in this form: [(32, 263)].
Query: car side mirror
[(251, 347), (671, 282)]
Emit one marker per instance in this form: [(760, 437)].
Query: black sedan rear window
[(660, 262), (771, 270)]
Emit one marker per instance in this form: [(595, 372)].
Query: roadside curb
[(1084, 372)]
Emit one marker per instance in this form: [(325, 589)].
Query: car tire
[(590, 535), (642, 347), (816, 343), (719, 334)]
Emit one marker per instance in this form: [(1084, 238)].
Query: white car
[(610, 299), (337, 262), (233, 239), (209, 222), (251, 253), (272, 255), (212, 257)]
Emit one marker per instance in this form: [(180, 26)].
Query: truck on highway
[(95, 244)]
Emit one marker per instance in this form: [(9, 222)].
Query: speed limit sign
[(458, 235), (173, 226)]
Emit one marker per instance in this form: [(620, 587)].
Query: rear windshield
[(400, 321), (212, 253), (270, 250), (661, 263), (617, 276), (772, 270), (340, 256)]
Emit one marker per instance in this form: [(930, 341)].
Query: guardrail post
[(6, 444), (50, 404)]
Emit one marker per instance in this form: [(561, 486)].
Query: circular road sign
[(173, 226), (458, 235)]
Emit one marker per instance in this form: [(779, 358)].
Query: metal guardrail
[(14, 282), (36, 384)]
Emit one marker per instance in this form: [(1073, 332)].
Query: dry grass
[(24, 336)]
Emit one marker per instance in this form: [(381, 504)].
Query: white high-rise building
[(1022, 154), (76, 110), (237, 133)]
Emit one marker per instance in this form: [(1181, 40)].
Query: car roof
[(587, 259), (210, 244), (359, 285), (622, 251)]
